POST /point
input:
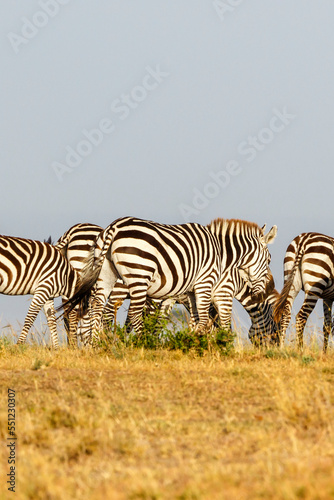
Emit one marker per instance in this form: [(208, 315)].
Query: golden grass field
[(139, 424)]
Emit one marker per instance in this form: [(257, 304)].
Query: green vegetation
[(159, 333)]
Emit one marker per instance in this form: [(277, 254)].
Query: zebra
[(308, 265), (160, 261), (37, 268), (74, 244), (263, 329)]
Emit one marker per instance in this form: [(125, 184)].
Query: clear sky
[(168, 110)]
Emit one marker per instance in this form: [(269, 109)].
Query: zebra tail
[(63, 242), (283, 296), (89, 275)]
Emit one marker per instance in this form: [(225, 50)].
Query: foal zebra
[(161, 261), (308, 265), (37, 268)]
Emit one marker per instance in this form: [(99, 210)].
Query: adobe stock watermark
[(249, 148), (224, 7), (31, 27), (122, 107)]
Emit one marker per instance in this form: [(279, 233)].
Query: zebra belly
[(155, 289), (158, 286), (19, 286), (18, 289)]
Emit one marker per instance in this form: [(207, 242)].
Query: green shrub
[(160, 332)]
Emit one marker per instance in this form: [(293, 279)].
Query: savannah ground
[(134, 423)]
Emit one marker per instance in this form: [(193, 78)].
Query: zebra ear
[(270, 236), (264, 228)]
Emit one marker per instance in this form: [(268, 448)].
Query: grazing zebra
[(308, 265), (263, 329), (74, 245), (161, 261), (37, 268)]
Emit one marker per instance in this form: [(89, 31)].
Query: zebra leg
[(138, 295), (71, 325), (72, 337), (95, 313), (127, 324), (327, 306), (39, 299), (203, 301), (116, 299), (286, 316), (99, 296), (224, 304), (90, 322), (214, 316), (151, 308), (193, 310), (85, 329), (301, 318), (52, 323)]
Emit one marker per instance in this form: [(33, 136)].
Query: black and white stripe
[(37, 268), (263, 329), (308, 265), (161, 261), (74, 244)]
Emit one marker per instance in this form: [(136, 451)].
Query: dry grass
[(163, 425)]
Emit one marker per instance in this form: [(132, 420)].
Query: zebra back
[(192, 245), (76, 242), (27, 264)]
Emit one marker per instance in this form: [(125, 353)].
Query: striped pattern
[(308, 265), (161, 261), (154, 260), (263, 330), (74, 245), (76, 242), (33, 267)]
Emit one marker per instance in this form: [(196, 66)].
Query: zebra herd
[(204, 267)]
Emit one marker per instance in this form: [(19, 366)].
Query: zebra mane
[(223, 225)]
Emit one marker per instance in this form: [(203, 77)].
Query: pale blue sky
[(219, 82)]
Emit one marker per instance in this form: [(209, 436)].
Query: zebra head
[(264, 330), (255, 270)]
